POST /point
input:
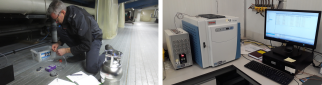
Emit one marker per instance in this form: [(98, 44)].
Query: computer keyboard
[(269, 72)]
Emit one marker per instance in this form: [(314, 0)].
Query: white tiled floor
[(139, 43), (143, 64)]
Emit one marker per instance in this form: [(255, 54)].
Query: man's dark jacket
[(82, 27)]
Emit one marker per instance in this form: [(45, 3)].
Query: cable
[(269, 3), (315, 56), (302, 72), (246, 58), (279, 4), (257, 42), (296, 82), (310, 74), (180, 16), (46, 35), (262, 14)]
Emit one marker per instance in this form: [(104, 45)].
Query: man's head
[(57, 11)]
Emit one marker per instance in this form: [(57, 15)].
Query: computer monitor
[(294, 27)]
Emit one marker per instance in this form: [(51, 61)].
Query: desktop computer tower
[(278, 61)]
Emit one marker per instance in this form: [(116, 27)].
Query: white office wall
[(233, 8), (255, 22), (195, 7)]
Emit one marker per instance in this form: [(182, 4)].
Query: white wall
[(146, 15), (255, 25), (255, 22), (233, 8), (195, 7)]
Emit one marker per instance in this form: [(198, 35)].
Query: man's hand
[(54, 47), (61, 51)]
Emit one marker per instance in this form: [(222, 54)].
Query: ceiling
[(139, 4), (136, 4)]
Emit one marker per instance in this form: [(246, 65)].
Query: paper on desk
[(58, 81), (90, 80), (74, 78), (251, 48), (288, 59), (242, 50)]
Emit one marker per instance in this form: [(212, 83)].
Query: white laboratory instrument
[(179, 49), (215, 39)]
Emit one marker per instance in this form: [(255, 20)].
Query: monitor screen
[(294, 26)]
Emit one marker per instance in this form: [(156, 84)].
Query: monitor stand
[(287, 51)]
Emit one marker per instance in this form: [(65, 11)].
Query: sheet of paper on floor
[(74, 78), (58, 81)]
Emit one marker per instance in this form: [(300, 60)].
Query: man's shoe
[(76, 58)]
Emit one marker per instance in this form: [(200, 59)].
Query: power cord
[(180, 16), (174, 20), (296, 82), (246, 58), (310, 75), (262, 14), (243, 40), (279, 3), (46, 35), (302, 72)]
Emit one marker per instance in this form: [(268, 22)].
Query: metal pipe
[(17, 50), (54, 31), (31, 6), (3, 34), (8, 30)]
